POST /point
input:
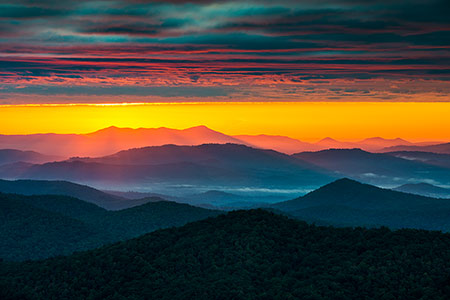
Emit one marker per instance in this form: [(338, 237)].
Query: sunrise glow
[(304, 121)]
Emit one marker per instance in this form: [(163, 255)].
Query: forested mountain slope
[(245, 255)]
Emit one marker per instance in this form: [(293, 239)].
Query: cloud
[(226, 48), (178, 91)]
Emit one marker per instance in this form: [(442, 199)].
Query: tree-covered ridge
[(346, 202), (28, 231), (66, 188), (34, 227), (246, 255)]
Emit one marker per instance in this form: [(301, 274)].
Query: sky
[(307, 121), (206, 59), (78, 51)]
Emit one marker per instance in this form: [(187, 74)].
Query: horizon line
[(310, 141)]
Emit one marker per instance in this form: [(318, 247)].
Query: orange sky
[(302, 120)]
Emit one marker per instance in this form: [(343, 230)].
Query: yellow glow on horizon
[(306, 121)]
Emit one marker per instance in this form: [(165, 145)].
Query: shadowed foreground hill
[(33, 227), (245, 255), (28, 231), (351, 203)]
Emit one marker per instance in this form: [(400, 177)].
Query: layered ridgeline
[(424, 189), (113, 139), (378, 168), (213, 165), (212, 198), (438, 148), (251, 254), (437, 159), (115, 200), (65, 188), (347, 202), (9, 156), (34, 227)]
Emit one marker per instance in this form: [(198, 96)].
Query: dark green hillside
[(351, 203), (151, 216), (33, 227), (246, 255), (64, 205), (28, 232)]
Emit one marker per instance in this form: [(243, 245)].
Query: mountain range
[(207, 165), (377, 168), (210, 199), (40, 226), (250, 254), (369, 144), (181, 170), (437, 159), (116, 200), (113, 139)]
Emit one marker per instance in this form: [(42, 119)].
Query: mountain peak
[(110, 129), (424, 189), (342, 151), (215, 193), (327, 139), (342, 186), (201, 129), (381, 140), (420, 184), (344, 181)]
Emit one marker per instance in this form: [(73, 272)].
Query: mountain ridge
[(376, 168), (66, 188), (424, 189), (207, 164), (112, 139), (40, 226), (8, 156), (443, 148), (250, 254), (351, 203)]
